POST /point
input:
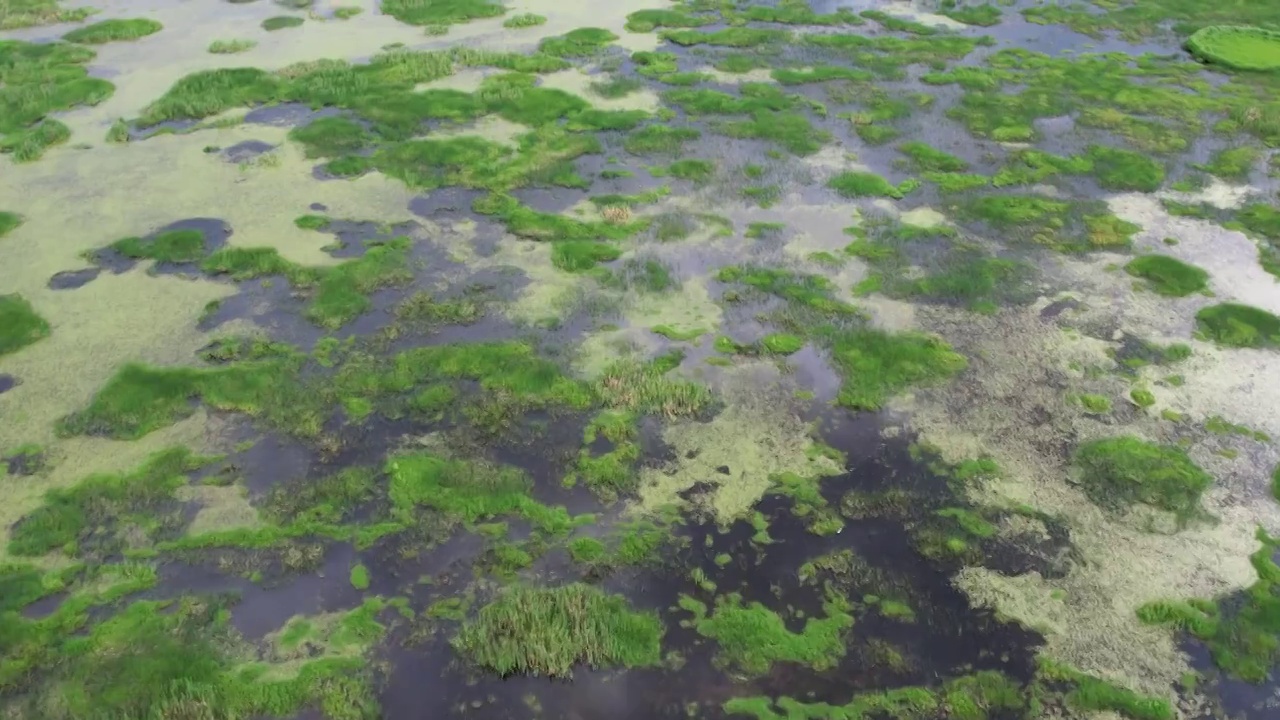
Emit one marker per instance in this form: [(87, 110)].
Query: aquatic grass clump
[(37, 80), (549, 631), (924, 157), (1241, 326), (649, 20), (1168, 275), (737, 37), (281, 22), (440, 12), (173, 246), (16, 14), (876, 365), (1233, 163), (582, 255), (68, 516), (659, 139), (643, 387), (1118, 472), (1118, 169), (524, 20), (856, 184), (209, 92), (582, 42), (140, 399), (1237, 47), (113, 30), (20, 325), (980, 15), (231, 47), (9, 221), (751, 637), (1241, 632)]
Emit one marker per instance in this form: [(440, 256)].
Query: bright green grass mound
[(548, 631), (19, 324), (1167, 275), (113, 30), (1235, 325), (1237, 47), (1118, 472)]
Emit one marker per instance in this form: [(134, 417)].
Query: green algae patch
[(440, 12), (38, 80), (1118, 472), (20, 325), (1236, 325), (281, 22), (1168, 275), (549, 631), (1237, 47), (9, 221), (1243, 637), (113, 31), (751, 637), (857, 184)]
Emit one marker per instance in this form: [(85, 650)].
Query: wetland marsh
[(830, 360)]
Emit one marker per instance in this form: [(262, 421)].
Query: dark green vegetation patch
[(9, 222), (113, 30), (1236, 325), (19, 324), (1237, 47), (37, 80), (1168, 275), (1118, 472), (547, 632)]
